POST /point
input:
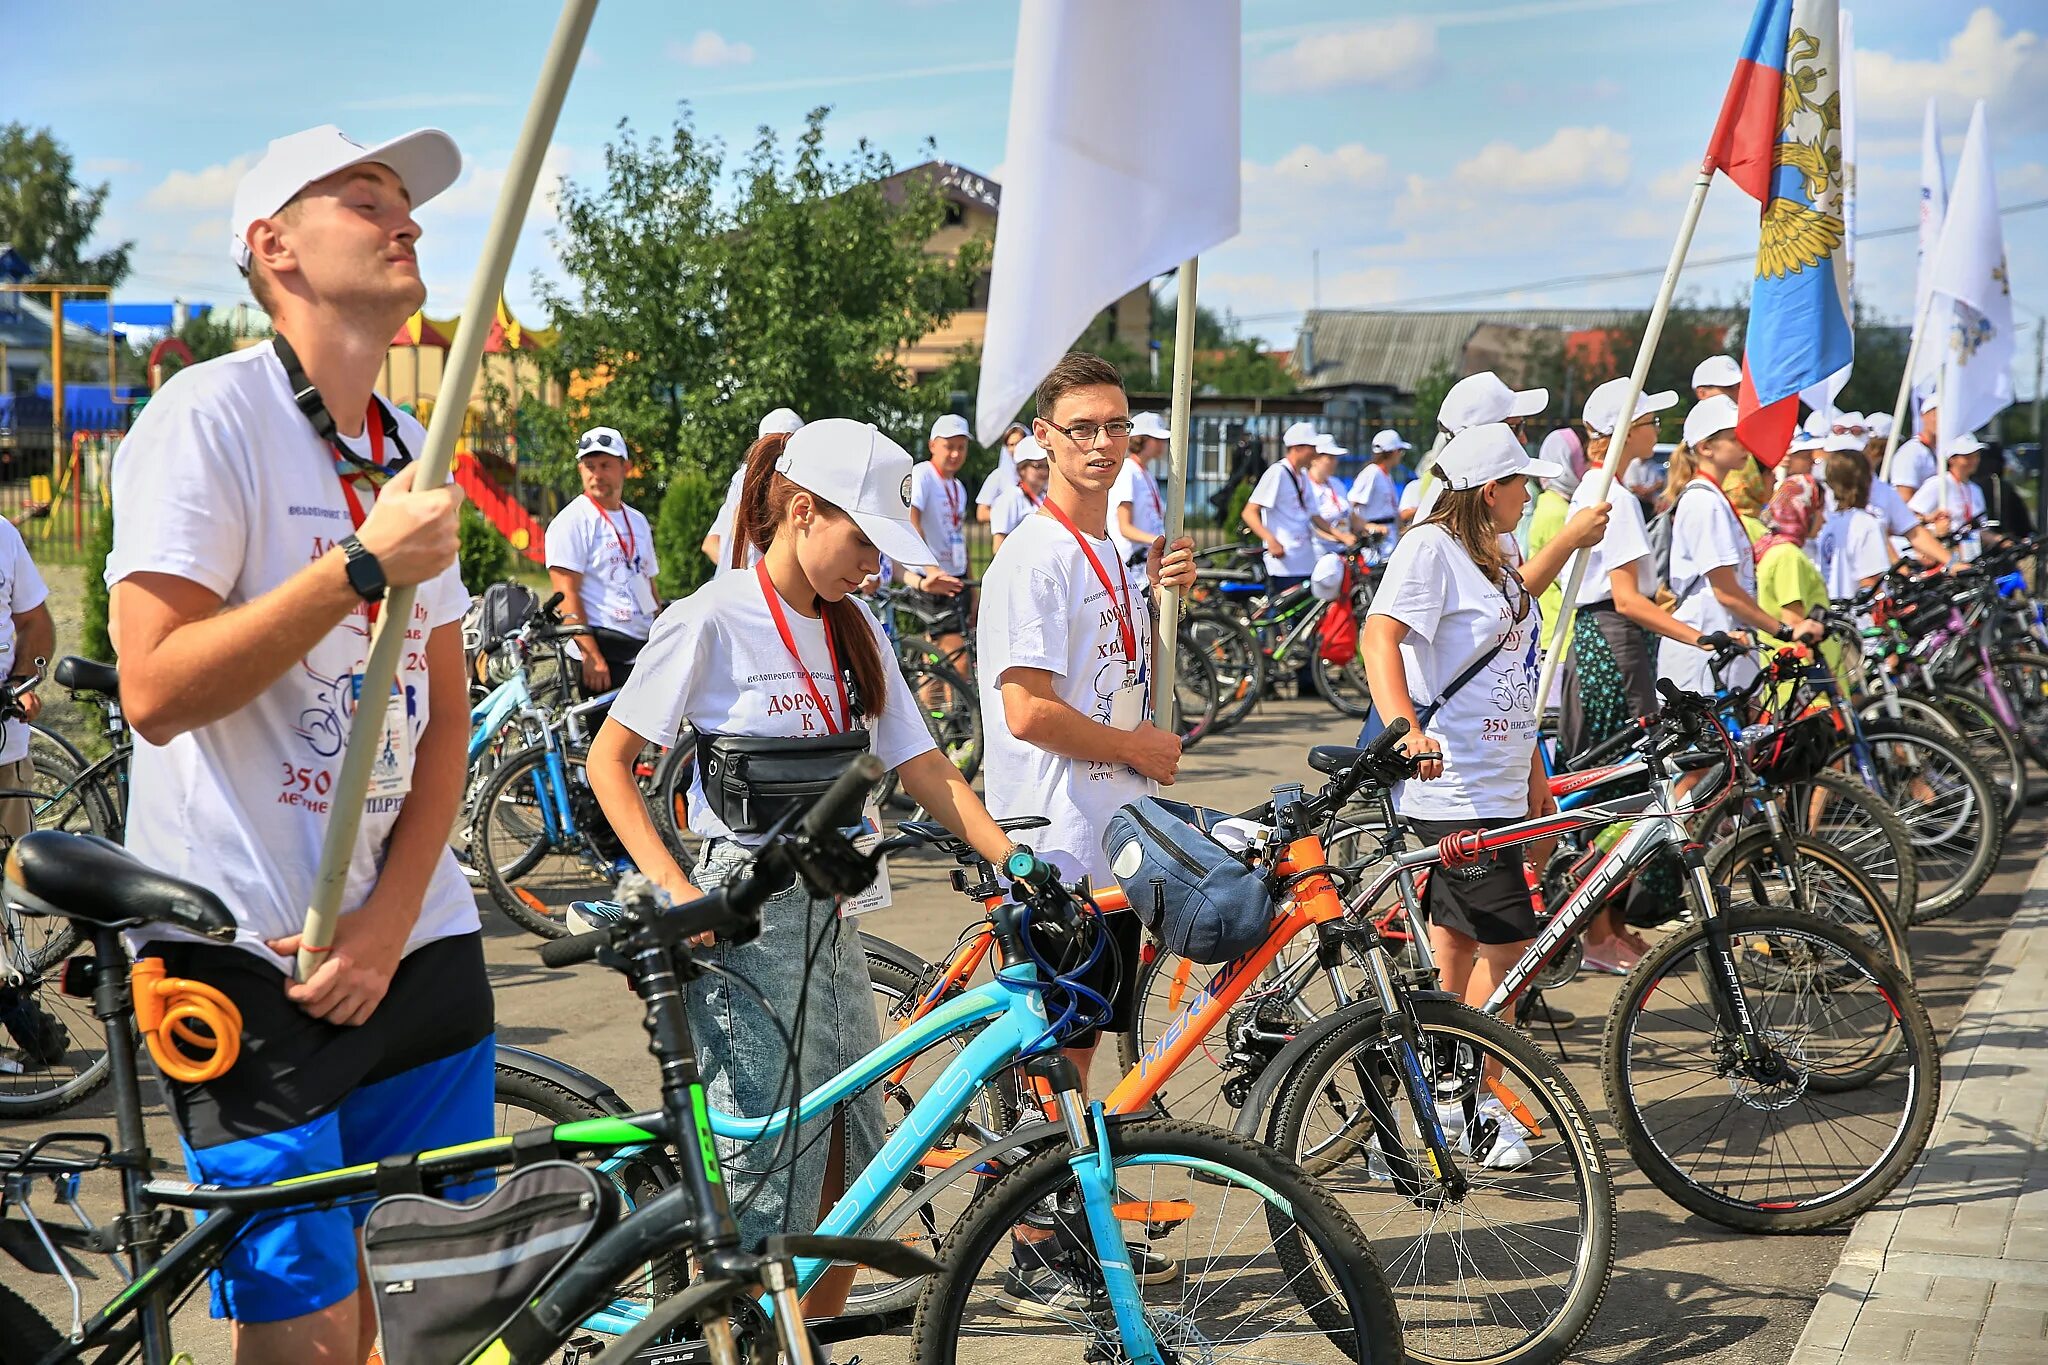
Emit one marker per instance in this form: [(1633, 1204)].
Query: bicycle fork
[(1731, 1003)]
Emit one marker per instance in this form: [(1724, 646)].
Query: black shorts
[(1114, 976), (1487, 901), (950, 614)]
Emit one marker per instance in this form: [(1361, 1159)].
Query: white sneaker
[(1452, 1117), (1509, 1149)]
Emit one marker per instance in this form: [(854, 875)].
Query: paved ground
[(1954, 1266), (1683, 1289)]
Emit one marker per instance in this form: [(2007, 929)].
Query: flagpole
[(1176, 487), (1553, 654), (465, 357), (1891, 440)]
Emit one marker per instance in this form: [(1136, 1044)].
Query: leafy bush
[(485, 555), (687, 510), (94, 642)]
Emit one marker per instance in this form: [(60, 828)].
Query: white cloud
[(710, 48), (1351, 166), (1397, 55), (208, 190), (476, 194), (109, 165), (1982, 61), (1315, 197), (1573, 159), (1265, 292)]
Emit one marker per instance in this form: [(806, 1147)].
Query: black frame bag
[(448, 1277)]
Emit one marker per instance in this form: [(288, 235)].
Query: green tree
[(701, 299), (47, 215), (688, 508), (202, 335)]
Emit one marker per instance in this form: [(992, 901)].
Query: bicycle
[(1284, 631), (103, 891)]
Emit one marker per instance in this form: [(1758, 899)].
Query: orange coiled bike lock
[(167, 1008)]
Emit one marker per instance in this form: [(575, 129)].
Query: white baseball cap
[(1817, 423), (1027, 450), (1326, 444), (1603, 406), (1479, 399), (1479, 455), (949, 424), (603, 441), (1804, 441), (1966, 444), (425, 161), (1840, 441), (1710, 417), (1148, 425), (780, 422), (1388, 439), (1720, 371), (1300, 434), (865, 475), (1878, 425)]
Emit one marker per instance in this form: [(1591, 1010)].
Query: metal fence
[(53, 484)]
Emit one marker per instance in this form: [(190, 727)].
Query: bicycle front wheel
[(1512, 1271), (1813, 1130), (1857, 822), (1239, 662), (534, 860), (1830, 885), (1950, 809), (1246, 1257)]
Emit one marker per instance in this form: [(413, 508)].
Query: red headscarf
[(1792, 513)]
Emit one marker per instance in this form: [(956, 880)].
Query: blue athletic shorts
[(307, 1097)]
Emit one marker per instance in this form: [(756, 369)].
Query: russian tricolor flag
[(1780, 139)]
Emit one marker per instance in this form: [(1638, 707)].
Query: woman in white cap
[(778, 422), (1851, 550), (1953, 495), (1375, 501), (1611, 678), (749, 663), (1451, 646), (1713, 565), (1476, 400), (1327, 492), (1022, 500)]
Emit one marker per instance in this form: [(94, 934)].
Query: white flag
[(1933, 208), (1969, 272), (1122, 162), (1821, 397)]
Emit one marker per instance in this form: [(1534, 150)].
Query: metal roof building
[(1378, 358)]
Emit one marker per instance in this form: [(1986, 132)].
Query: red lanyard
[(1120, 597), (356, 515), (774, 600), (628, 543), (956, 499)]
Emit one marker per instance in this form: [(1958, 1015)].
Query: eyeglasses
[(1084, 433)]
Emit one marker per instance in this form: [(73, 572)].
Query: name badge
[(878, 895), (1127, 704), (391, 769), (643, 594)]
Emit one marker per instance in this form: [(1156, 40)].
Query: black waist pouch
[(751, 781)]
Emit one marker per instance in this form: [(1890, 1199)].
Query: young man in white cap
[(1003, 477), (1282, 513), (258, 527), (1374, 501), (778, 422), (601, 559), (1137, 508), (1952, 499), (1713, 564), (1021, 501), (1913, 463), (1717, 374), (1481, 399), (938, 509)]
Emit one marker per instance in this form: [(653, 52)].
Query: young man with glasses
[(601, 559)]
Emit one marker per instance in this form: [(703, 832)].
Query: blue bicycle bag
[(1190, 891)]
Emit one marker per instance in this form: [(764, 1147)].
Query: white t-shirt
[(1283, 496), (21, 590), (1043, 607), (941, 506), (1375, 497), (1913, 464), (1136, 486), (1411, 497), (1000, 480), (1850, 548), (1328, 499), (1488, 729), (1010, 509), (717, 664), (1627, 542), (722, 525), (1962, 501), (614, 551), (1705, 534), (222, 482)]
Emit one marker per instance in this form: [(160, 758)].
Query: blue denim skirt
[(774, 1184)]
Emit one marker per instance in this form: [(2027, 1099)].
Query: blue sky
[(1418, 149)]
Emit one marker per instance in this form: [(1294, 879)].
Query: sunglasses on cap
[(599, 443)]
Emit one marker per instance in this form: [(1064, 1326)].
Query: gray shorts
[(774, 1184)]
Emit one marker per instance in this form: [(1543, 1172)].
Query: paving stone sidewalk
[(1953, 1268)]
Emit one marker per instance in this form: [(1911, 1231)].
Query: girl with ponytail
[(782, 665)]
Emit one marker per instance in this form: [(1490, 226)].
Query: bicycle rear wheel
[(1949, 808), (1512, 1272), (1239, 663), (1834, 886), (1863, 828), (1195, 693), (533, 864), (2023, 673), (1247, 1258), (1812, 1133)]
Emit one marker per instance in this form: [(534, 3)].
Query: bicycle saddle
[(93, 881), (83, 675)]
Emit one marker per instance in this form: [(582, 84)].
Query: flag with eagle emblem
[(1780, 139)]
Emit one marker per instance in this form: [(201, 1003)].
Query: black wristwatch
[(365, 574)]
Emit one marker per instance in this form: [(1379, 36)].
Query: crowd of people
[(265, 507)]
